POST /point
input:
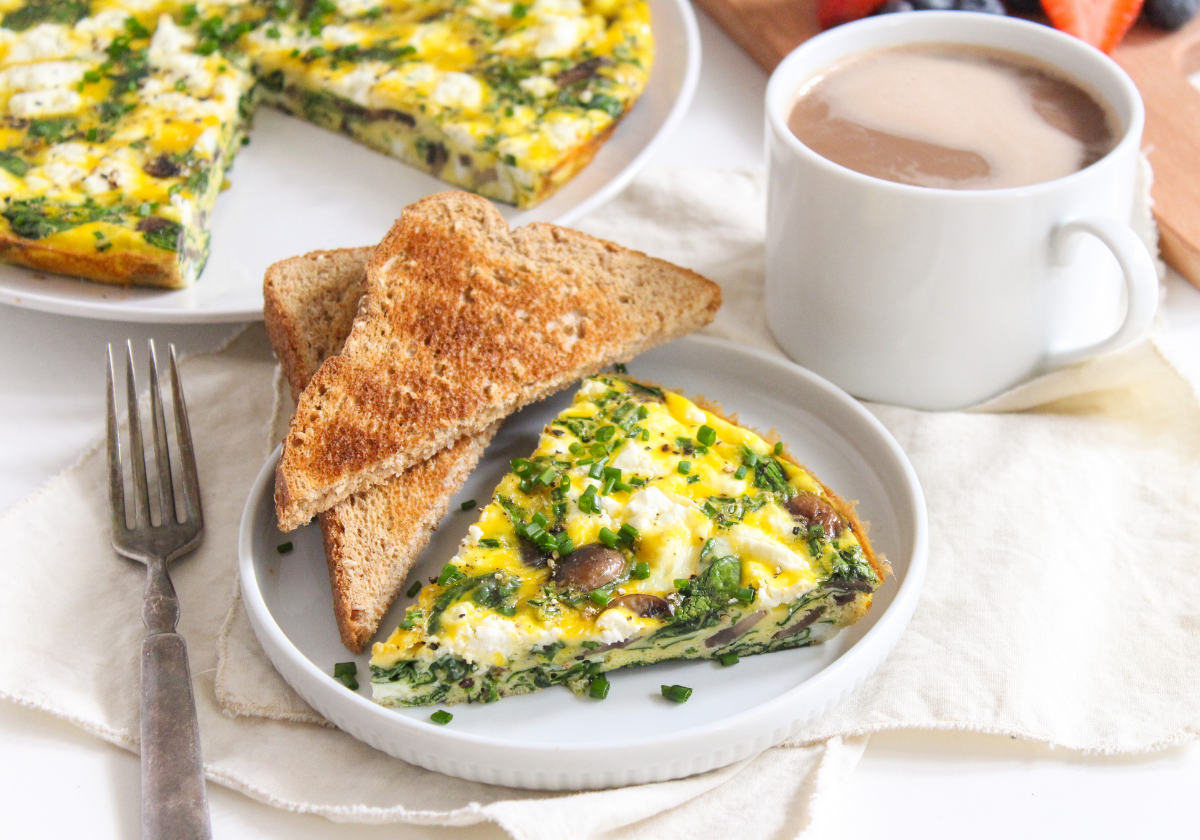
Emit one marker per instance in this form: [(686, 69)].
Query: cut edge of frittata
[(691, 556)]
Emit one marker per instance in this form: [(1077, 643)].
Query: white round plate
[(298, 188), (553, 739)]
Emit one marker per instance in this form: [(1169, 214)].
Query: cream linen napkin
[(1059, 603)]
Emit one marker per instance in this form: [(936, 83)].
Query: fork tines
[(187, 528)]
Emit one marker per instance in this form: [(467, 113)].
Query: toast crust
[(463, 322)]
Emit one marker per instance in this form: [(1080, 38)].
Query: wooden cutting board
[(1159, 62)]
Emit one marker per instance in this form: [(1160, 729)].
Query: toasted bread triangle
[(463, 322), (373, 538)]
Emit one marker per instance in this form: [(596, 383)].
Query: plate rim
[(883, 634), (98, 308)]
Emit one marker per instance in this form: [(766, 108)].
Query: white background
[(57, 782)]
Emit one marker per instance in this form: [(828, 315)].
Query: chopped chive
[(450, 573), (680, 583), (547, 476), (583, 462), (612, 472), (605, 433), (345, 673), (684, 467), (598, 689), (729, 659), (676, 693), (619, 367), (609, 484), (622, 487), (599, 450), (467, 505), (414, 589), (749, 457), (539, 520), (608, 538), (779, 448), (641, 570), (740, 474), (707, 435), (565, 544), (600, 597), (692, 479), (627, 534), (642, 412), (489, 542), (597, 469), (441, 717), (645, 435), (284, 548), (745, 595), (576, 448), (526, 486)]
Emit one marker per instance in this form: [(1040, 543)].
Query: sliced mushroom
[(589, 567), (807, 619), (162, 167), (735, 632), (532, 556), (642, 604), (816, 511)]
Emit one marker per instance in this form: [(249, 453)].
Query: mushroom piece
[(816, 511), (532, 556), (642, 604), (589, 567)]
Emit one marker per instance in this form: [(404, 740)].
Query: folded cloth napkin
[(1059, 603)]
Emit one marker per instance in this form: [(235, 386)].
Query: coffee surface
[(953, 117)]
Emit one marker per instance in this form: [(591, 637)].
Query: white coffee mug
[(941, 298)]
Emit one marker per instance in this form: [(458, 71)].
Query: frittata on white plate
[(643, 528), (121, 117)]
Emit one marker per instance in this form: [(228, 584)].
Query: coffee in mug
[(953, 117)]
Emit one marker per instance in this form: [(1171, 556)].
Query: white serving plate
[(298, 188), (552, 739)]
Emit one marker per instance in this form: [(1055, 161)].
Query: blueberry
[(992, 7), (1170, 14), (1024, 7), (932, 5), (893, 6)]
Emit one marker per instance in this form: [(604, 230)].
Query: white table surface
[(57, 782)]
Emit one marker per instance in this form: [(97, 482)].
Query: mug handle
[(1141, 282)]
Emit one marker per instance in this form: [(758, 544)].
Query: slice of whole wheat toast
[(372, 538), (464, 321)]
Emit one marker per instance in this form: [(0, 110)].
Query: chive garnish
[(744, 595), (707, 435), (414, 589), (489, 542), (345, 673), (641, 570), (729, 659), (467, 505), (608, 538), (597, 469), (600, 597), (575, 448), (565, 544), (627, 534), (605, 433), (284, 548), (684, 467), (779, 448), (740, 474), (598, 689), (676, 693), (441, 717), (450, 573)]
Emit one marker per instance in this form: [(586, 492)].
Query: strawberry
[(832, 12), (1102, 23)]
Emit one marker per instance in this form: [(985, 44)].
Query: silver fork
[(174, 806)]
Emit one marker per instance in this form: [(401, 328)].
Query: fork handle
[(174, 806)]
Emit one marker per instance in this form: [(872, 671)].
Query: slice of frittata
[(506, 99), (642, 529), (119, 121)]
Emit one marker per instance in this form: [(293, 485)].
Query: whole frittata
[(121, 117)]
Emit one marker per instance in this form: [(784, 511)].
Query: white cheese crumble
[(650, 509), (752, 543), (539, 86), (356, 84), (564, 133), (351, 8), (44, 103), (46, 40), (615, 625), (558, 37), (50, 74), (592, 388), (458, 90), (492, 639), (634, 459)]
